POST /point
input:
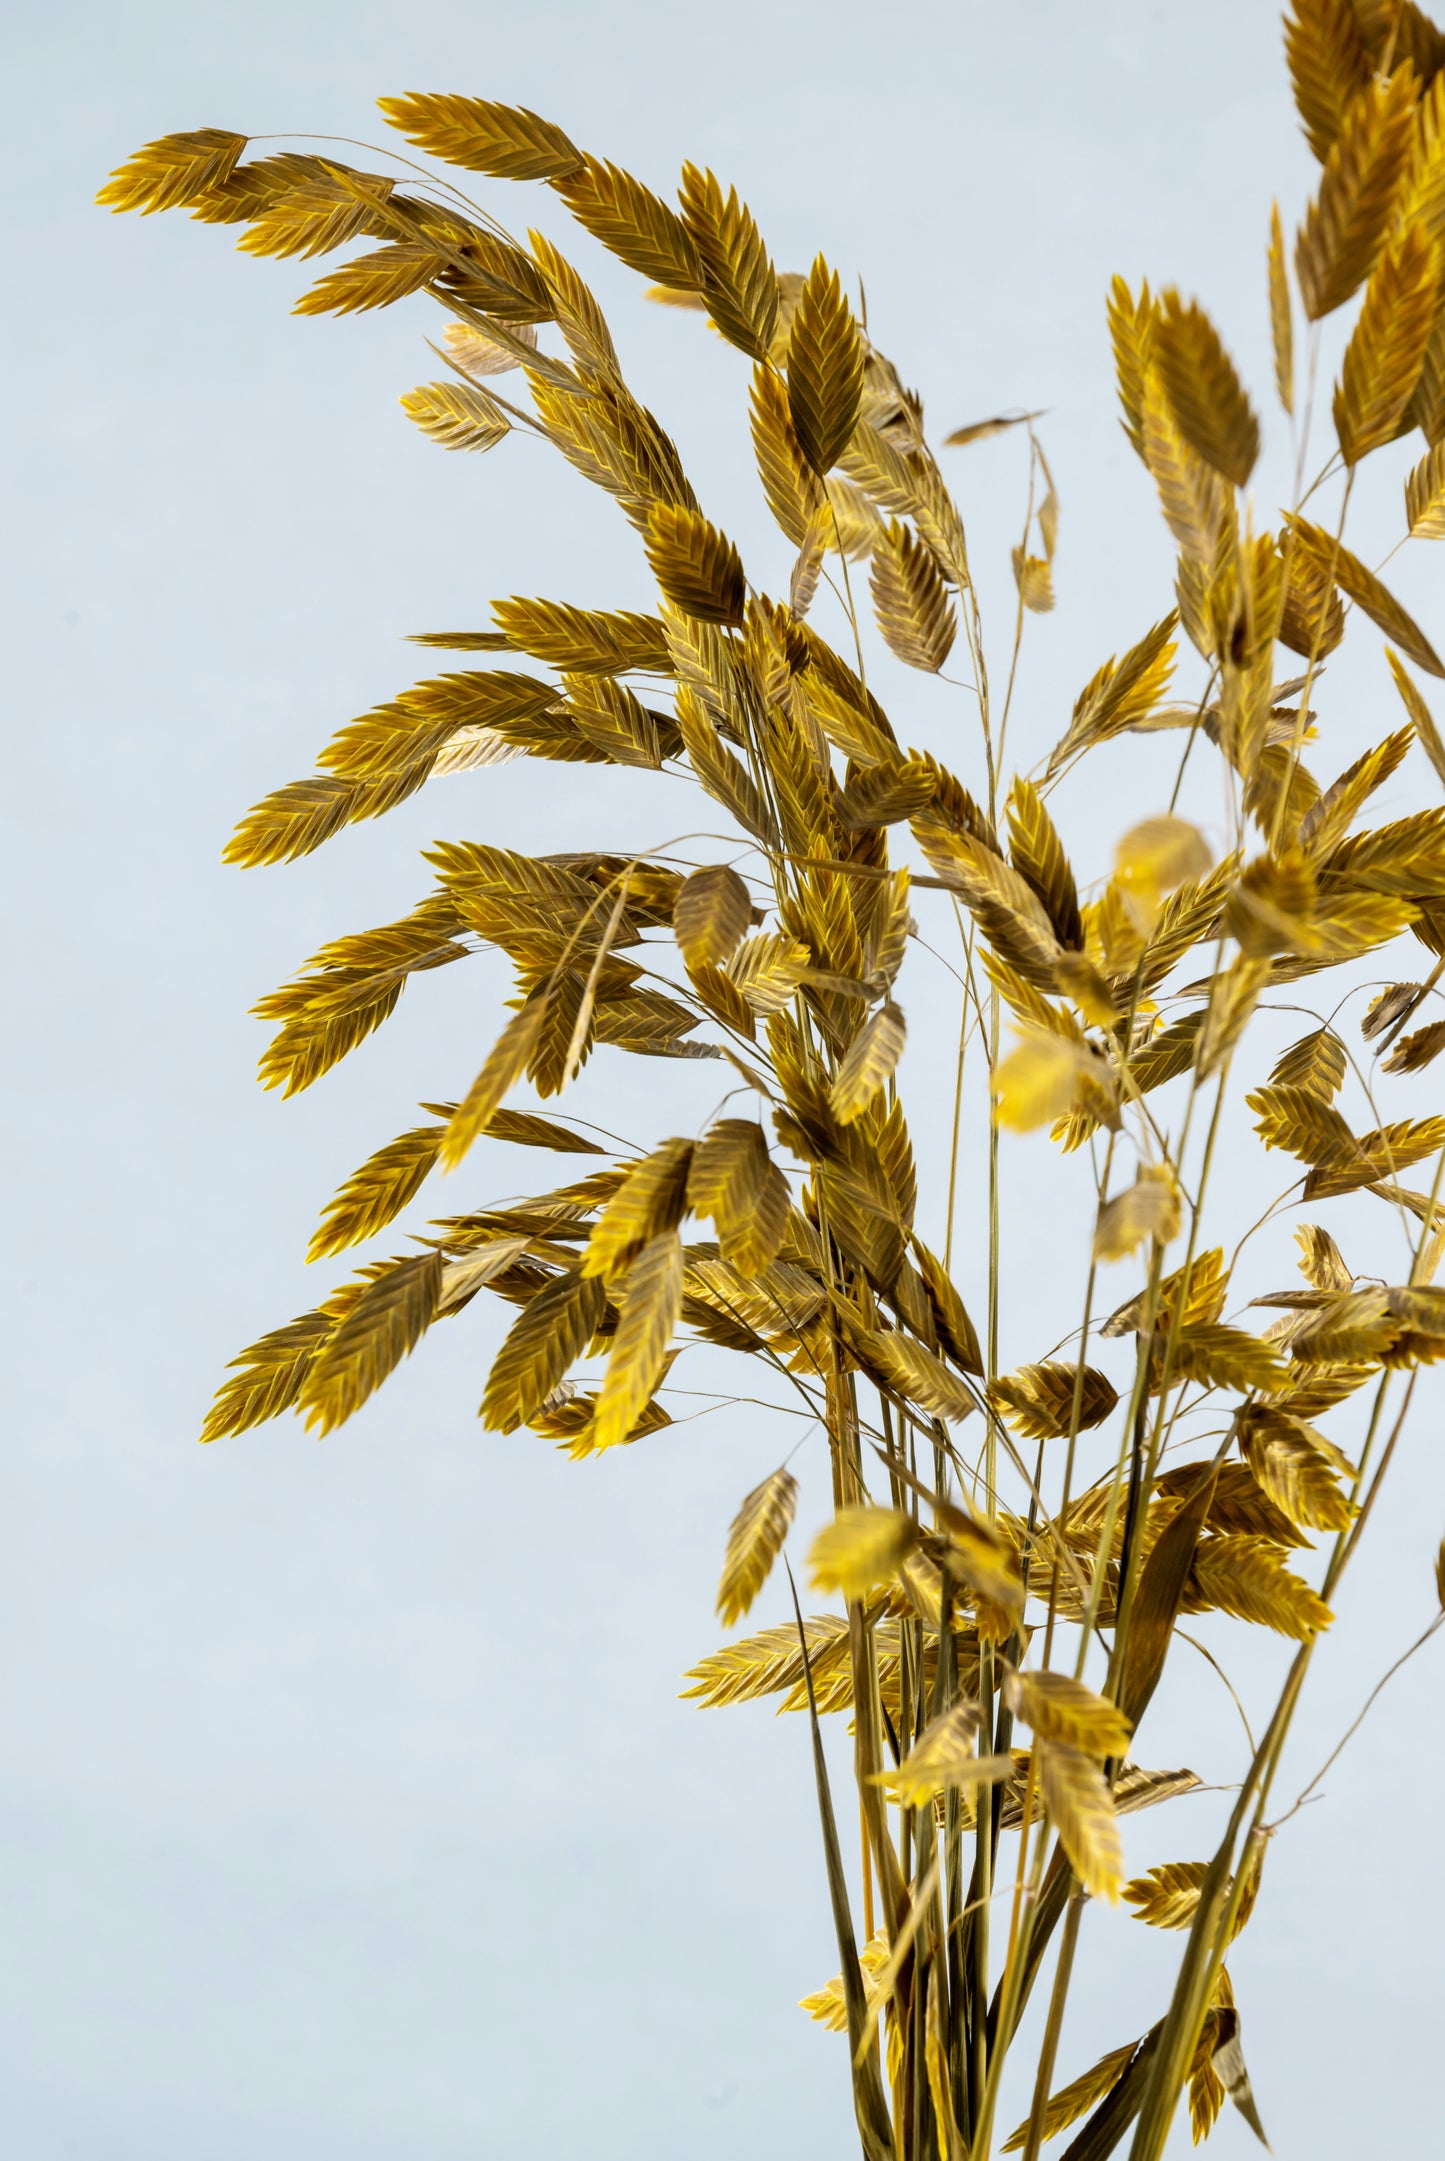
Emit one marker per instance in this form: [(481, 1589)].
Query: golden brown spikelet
[(1387, 350), (739, 284), (698, 568), (918, 1375), (1315, 1062), (475, 355), (1037, 853), (1293, 1471), (348, 989), (1082, 1812), (1060, 1709), (504, 1067), (632, 223), (555, 1327), (1312, 622), (825, 370), (789, 484), (771, 1663), (376, 280), (721, 774), (1246, 1578), (615, 721), (574, 307), (732, 1180), (1205, 395), (295, 820), (1415, 1051), (1038, 1400), (910, 601), (1148, 1209), (1131, 327), (651, 1199), (651, 1301), (1192, 496), (1350, 216), (1281, 320), (1336, 562), (177, 169), (1329, 66), (319, 209), (268, 1378), (1167, 1897), (459, 416), (979, 431), (860, 1549), (711, 914), (868, 1063), (376, 1193), (506, 141), (1071, 2101), (754, 1543), (383, 1325), (1427, 407), (585, 640), (1425, 496), (1035, 580)]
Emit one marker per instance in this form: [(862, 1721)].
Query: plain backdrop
[(346, 1805)]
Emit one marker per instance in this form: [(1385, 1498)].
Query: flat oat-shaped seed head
[(459, 416), (698, 568), (860, 1549), (1205, 394), (754, 1543), (711, 915), (868, 1063), (1387, 349), (651, 1303), (1079, 1804), (739, 284), (506, 141), (735, 1182), (174, 170), (910, 600), (825, 370), (1059, 1708)]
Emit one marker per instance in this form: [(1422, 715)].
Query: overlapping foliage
[(974, 1592)]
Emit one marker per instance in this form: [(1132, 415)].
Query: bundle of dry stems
[(975, 1584)]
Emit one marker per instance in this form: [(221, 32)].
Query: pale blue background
[(300, 1856)]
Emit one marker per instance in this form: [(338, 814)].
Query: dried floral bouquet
[(981, 1570)]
